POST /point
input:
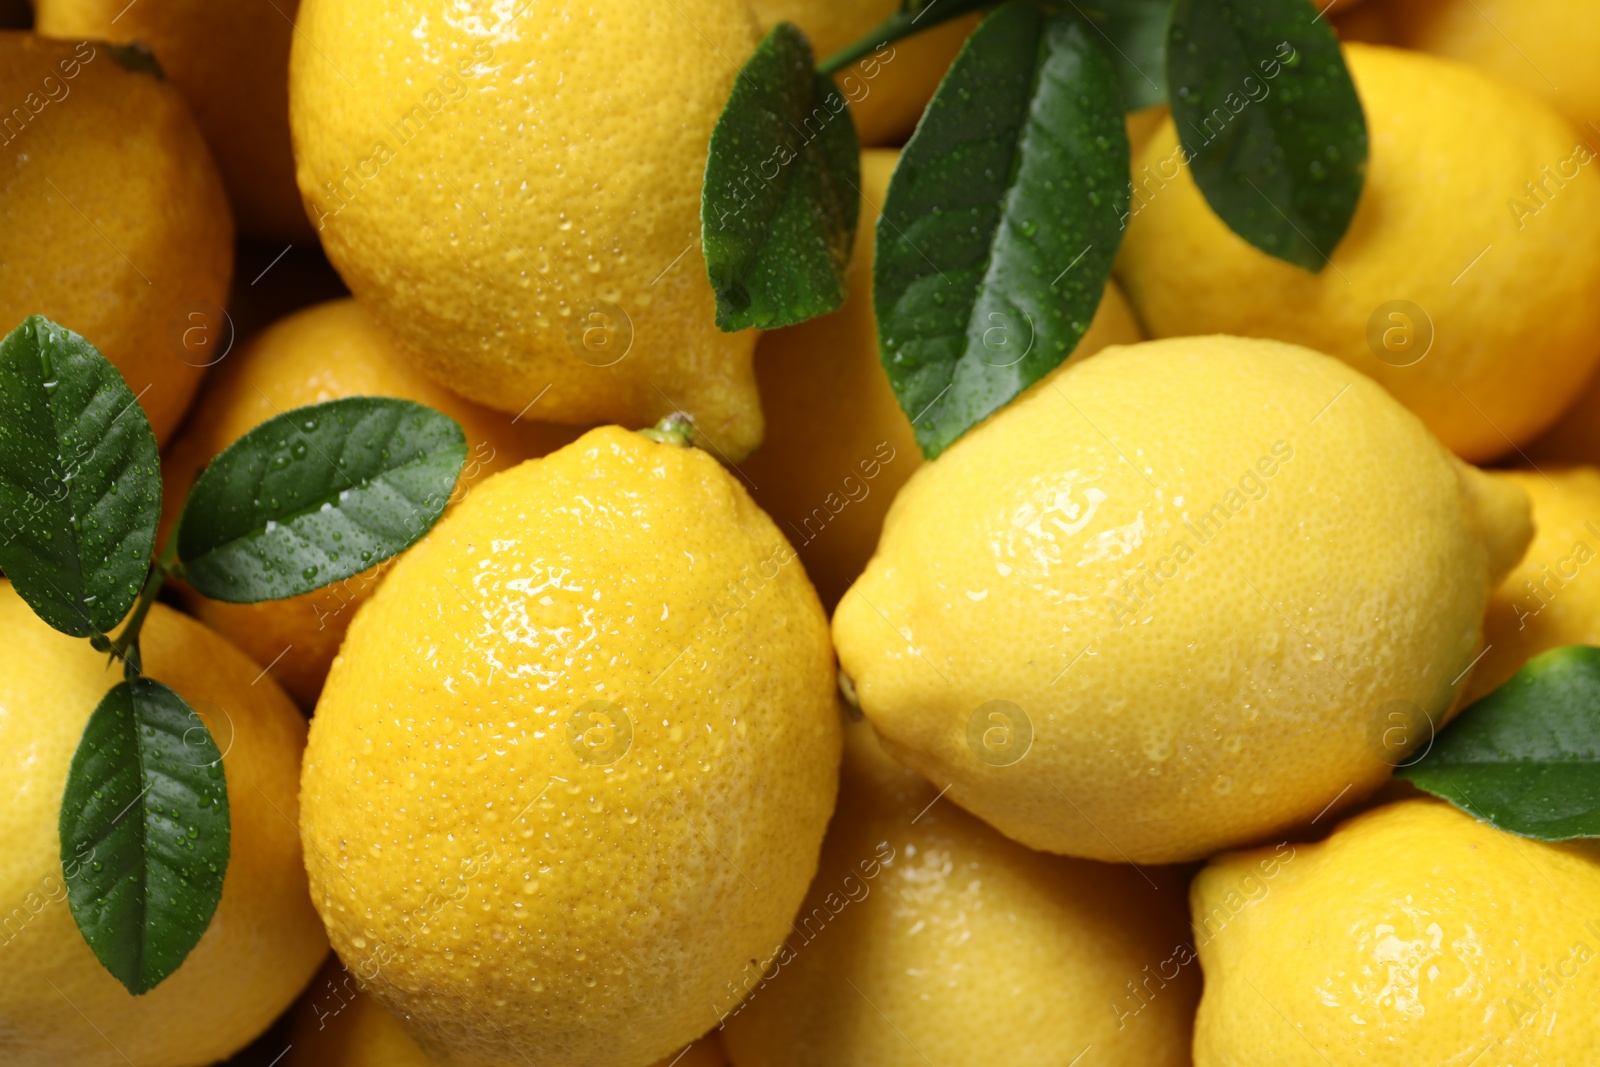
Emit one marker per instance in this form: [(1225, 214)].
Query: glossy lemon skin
[(321, 353), (57, 1004), (1463, 283), (572, 767), (929, 937), (515, 196), (113, 218), (1414, 934), (1162, 603)]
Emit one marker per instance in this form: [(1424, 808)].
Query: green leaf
[(782, 195), (1270, 122), (316, 495), (1001, 222), (913, 17), (144, 832), (1527, 756), (1134, 35), (80, 480)]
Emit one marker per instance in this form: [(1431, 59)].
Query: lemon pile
[(712, 725)]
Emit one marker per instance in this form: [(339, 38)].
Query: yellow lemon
[(337, 1025), (515, 195), (889, 89), (57, 1004), (1543, 47), (1165, 602), (929, 938), (113, 221), (838, 446), (572, 767), (1464, 285), (322, 353), (231, 62), (1552, 598), (1414, 934)]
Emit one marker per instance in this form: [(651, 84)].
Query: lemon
[(1464, 283), (929, 938), (515, 195), (889, 89), (1414, 934), (337, 1026), (1552, 598), (1575, 437), (1543, 47), (231, 63), (321, 353), (838, 446), (113, 221), (57, 1004), (1164, 602), (572, 767)]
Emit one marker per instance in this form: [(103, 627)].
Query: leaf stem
[(126, 645), (912, 18)]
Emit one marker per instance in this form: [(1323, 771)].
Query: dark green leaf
[(80, 480), (914, 16), (782, 191), (1527, 756), (1270, 122), (1134, 35), (1001, 221), (144, 832), (317, 494)]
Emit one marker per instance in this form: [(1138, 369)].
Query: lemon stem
[(675, 429)]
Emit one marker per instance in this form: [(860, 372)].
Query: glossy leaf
[(316, 495), (782, 195), (1134, 36), (1527, 756), (1001, 222), (80, 480), (144, 832), (1270, 122)]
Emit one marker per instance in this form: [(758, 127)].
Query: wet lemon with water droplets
[(1414, 934), (58, 1005), (571, 770), (1168, 600), (514, 193)]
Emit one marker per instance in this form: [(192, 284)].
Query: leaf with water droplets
[(1135, 33), (80, 480), (1001, 221), (1527, 756), (316, 495), (780, 204), (1270, 122), (144, 832)]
